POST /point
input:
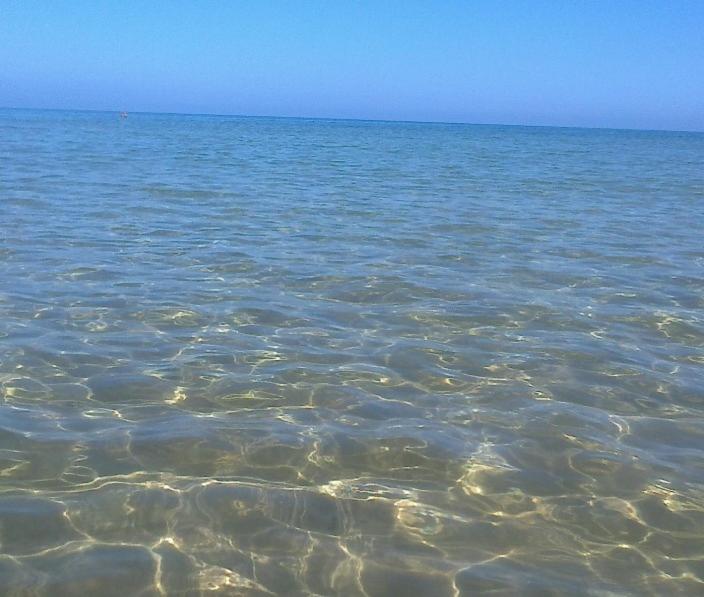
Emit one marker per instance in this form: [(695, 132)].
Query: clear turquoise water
[(249, 356)]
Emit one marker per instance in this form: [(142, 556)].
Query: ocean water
[(248, 356)]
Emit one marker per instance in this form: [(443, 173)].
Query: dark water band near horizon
[(251, 356)]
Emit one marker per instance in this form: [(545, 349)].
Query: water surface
[(249, 356)]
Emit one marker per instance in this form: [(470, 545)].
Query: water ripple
[(261, 356)]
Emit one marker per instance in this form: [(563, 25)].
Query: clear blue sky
[(612, 63)]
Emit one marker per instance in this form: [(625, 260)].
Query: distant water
[(245, 356)]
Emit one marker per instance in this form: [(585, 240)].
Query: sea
[(283, 356)]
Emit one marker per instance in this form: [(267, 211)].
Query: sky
[(594, 63)]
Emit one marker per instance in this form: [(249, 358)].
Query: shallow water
[(247, 356)]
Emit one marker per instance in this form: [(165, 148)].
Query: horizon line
[(351, 119)]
